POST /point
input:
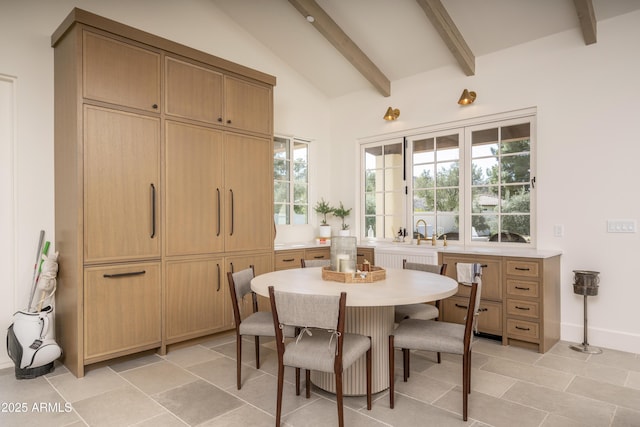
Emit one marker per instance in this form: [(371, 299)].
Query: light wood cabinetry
[(286, 259), (156, 198), (522, 299), (365, 253)]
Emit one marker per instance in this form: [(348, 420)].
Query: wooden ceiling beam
[(341, 41), (449, 33), (587, 18)]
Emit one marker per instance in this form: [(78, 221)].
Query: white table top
[(400, 286)]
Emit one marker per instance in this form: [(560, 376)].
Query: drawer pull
[(483, 265), (288, 260), (132, 273), (319, 257), (523, 268), (522, 289), (461, 306), (466, 307), (523, 329), (523, 308)]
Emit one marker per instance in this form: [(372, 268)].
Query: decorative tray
[(375, 274)]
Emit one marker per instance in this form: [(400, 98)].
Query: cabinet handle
[(218, 289), (521, 288), (482, 265), (461, 306), (153, 211), (131, 273), (522, 268), (228, 122), (318, 257), (231, 264), (288, 260), (522, 329), (231, 232), (218, 194), (523, 308), (220, 119), (154, 106)]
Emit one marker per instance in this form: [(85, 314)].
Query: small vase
[(345, 233), (324, 231)]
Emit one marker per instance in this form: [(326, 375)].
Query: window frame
[(464, 129), (291, 203)]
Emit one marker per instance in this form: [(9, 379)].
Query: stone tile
[(220, 339), (222, 372), (492, 411), (261, 392), (44, 407), (136, 362), (409, 412), (598, 390), (620, 359), (166, 419), (597, 371), (189, 356), (626, 418), (246, 415), (117, 407), (529, 373), (633, 380), (94, 382), (422, 387), (586, 412), (554, 420), (197, 402), (323, 412), (496, 349), (562, 348), (158, 377)]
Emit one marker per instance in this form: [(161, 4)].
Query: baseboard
[(604, 338)]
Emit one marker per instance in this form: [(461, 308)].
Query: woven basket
[(376, 273)]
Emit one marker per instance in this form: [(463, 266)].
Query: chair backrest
[(472, 312), (315, 262), (239, 286), (429, 268), (308, 311)]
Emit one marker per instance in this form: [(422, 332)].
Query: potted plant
[(342, 213), (324, 208)]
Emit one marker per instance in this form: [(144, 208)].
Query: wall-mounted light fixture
[(391, 114), (467, 97)]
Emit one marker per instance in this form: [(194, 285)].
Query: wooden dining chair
[(258, 323), (314, 263), (446, 337), (322, 345), (421, 310)]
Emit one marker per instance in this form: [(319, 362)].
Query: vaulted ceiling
[(341, 46)]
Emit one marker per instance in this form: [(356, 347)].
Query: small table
[(370, 311)]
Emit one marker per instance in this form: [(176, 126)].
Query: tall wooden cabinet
[(163, 168)]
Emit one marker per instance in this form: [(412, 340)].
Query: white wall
[(587, 155), (25, 48)]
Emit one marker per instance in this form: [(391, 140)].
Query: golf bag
[(31, 344)]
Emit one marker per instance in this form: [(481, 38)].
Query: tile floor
[(196, 386)]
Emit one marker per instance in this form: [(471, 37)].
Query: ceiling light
[(467, 97), (310, 18), (391, 114)]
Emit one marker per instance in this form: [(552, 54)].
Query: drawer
[(321, 253), (454, 310), (521, 329), (522, 268), (523, 308), (522, 288), (285, 260)]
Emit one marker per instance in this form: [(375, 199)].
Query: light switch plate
[(621, 226)]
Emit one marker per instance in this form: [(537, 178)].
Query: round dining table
[(370, 312)]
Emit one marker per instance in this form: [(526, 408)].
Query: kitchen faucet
[(425, 231)]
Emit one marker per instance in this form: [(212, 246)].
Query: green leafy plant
[(342, 213), (323, 208)]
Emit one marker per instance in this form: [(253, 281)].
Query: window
[(290, 180), (472, 183)]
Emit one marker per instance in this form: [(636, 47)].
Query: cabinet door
[(491, 274), (193, 92), (248, 106), (194, 190), (195, 298), (120, 73), (121, 309), (248, 170), (122, 176)]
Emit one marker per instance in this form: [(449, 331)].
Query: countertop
[(389, 247)]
